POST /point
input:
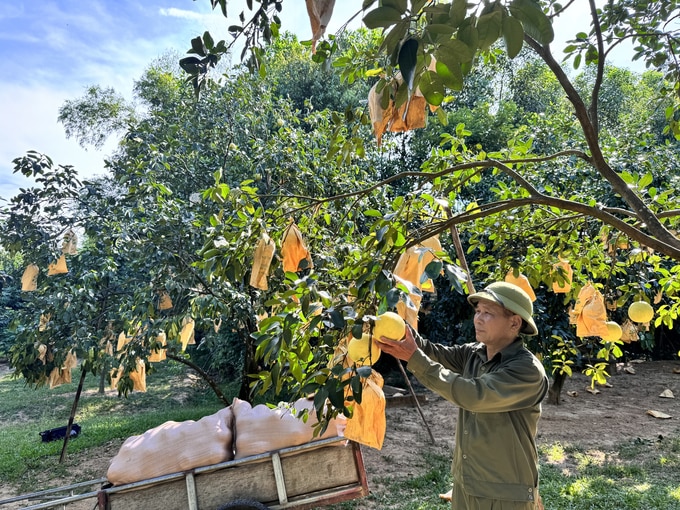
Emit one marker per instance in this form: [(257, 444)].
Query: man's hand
[(400, 349)]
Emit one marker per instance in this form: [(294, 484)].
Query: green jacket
[(499, 403)]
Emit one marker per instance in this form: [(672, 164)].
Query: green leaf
[(208, 40), (399, 5), (513, 35), (536, 24), (364, 371), (467, 33), (198, 47), (489, 29), (336, 318), (432, 87), (645, 180), (417, 5), (451, 74), (356, 386), (433, 269), (436, 29), (443, 118), (382, 17), (455, 49), (390, 44), (457, 12)]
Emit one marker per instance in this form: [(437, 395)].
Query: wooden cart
[(301, 477)]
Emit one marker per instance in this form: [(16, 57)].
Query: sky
[(52, 51)]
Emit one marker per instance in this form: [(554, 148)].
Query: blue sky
[(52, 50)]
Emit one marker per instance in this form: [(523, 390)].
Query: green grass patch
[(639, 474), (571, 479), (635, 475), (417, 493), (25, 412)]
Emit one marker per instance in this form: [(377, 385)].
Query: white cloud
[(182, 14)]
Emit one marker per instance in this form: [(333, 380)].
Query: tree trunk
[(71, 418), (102, 378), (556, 388), (203, 374), (249, 367)]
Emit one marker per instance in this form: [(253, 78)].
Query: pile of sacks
[(234, 432)]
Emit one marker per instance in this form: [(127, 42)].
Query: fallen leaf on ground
[(447, 496), (667, 394), (594, 391), (659, 414), (607, 385), (676, 370), (629, 370), (637, 361), (572, 393)]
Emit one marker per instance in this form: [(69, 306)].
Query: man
[(498, 385)]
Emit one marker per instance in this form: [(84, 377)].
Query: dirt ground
[(611, 416), (614, 415)]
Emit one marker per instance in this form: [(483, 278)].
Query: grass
[(633, 476), (104, 418), (639, 474)]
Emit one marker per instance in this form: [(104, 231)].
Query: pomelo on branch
[(364, 350), (640, 311), (614, 332), (390, 325)]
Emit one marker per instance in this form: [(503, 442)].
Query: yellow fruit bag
[(368, 422), (262, 259), (589, 313)]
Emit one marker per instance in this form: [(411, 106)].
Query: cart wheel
[(244, 504)]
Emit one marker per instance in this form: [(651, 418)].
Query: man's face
[(494, 325)]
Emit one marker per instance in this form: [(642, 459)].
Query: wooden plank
[(318, 470), (251, 481), (171, 495), (192, 499), (279, 478), (313, 475)]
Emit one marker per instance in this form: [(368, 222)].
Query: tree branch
[(644, 214), (594, 98), (203, 374)]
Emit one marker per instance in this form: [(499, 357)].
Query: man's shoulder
[(520, 354)]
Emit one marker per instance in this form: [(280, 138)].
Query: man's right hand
[(400, 349)]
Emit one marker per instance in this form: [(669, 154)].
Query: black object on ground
[(59, 433)]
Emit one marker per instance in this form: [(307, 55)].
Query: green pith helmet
[(512, 298)]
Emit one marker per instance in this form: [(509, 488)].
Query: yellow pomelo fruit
[(640, 311), (614, 332), (364, 350), (390, 325)]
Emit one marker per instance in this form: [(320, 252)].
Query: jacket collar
[(509, 351)]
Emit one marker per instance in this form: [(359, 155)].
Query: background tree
[(198, 179), (456, 34)]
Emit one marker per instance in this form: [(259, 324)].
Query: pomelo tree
[(531, 217), (199, 181)]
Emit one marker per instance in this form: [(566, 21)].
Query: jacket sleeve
[(517, 384), (451, 357)]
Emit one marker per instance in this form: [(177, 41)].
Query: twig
[(415, 399)]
